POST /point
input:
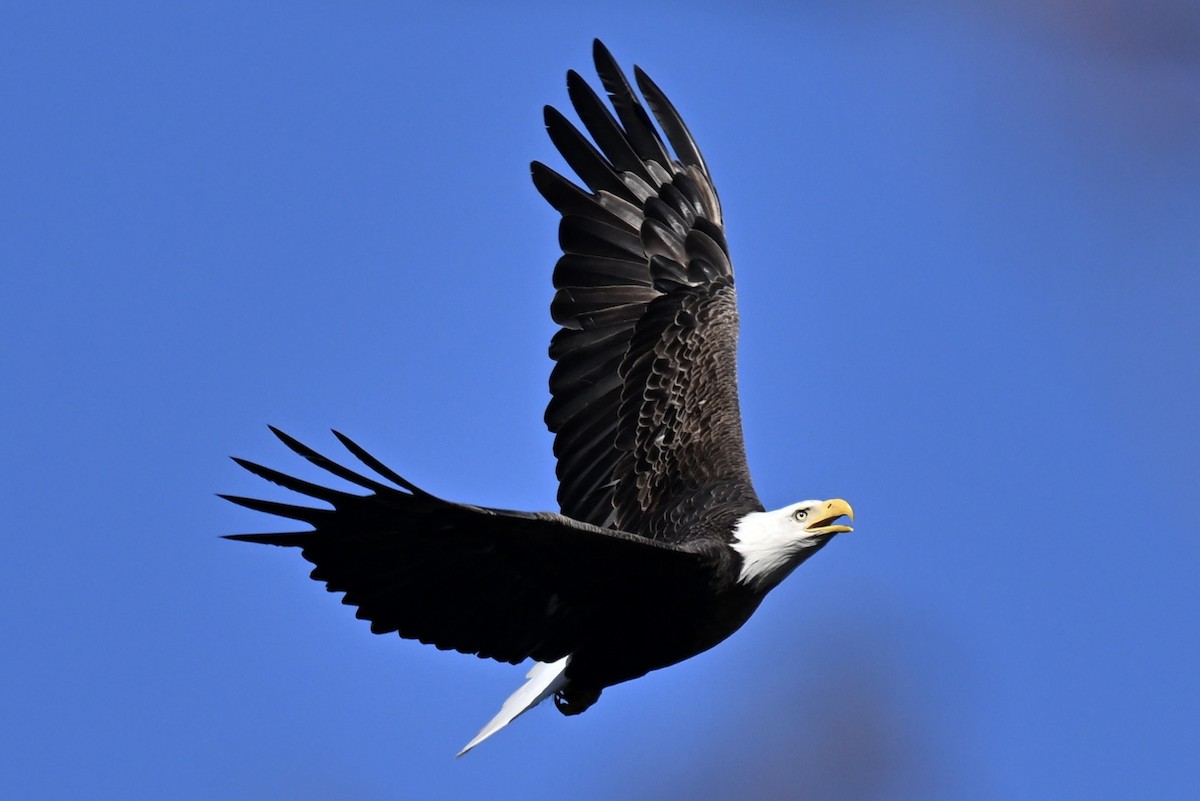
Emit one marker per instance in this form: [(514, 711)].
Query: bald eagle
[(661, 548)]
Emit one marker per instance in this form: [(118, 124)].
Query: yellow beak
[(829, 511)]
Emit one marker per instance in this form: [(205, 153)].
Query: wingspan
[(500, 584), (645, 408)]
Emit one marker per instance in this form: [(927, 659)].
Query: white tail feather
[(544, 680)]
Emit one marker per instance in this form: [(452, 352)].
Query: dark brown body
[(643, 639)]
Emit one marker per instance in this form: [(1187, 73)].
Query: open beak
[(827, 513)]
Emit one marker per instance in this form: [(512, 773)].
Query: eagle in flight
[(661, 548)]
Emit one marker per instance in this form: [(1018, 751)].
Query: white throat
[(771, 546)]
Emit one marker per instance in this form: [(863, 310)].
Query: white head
[(772, 544)]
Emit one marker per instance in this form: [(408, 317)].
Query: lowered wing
[(503, 585)]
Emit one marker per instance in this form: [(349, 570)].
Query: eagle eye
[(800, 515)]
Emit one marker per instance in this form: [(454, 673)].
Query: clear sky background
[(967, 238)]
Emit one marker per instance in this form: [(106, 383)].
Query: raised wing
[(502, 585), (644, 409)]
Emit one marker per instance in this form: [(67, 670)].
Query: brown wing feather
[(644, 407), (502, 585)]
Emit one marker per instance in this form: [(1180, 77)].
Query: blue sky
[(966, 240)]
